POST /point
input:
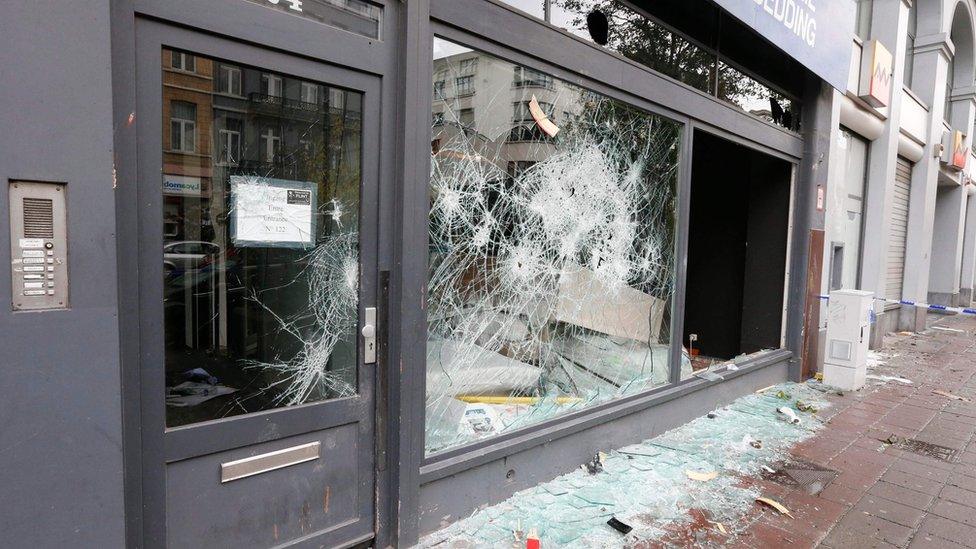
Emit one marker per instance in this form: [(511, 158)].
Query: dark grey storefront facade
[(102, 447)]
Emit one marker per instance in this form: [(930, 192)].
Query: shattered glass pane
[(260, 240), (551, 248)]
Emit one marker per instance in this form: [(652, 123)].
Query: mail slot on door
[(38, 245)]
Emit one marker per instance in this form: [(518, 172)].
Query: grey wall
[(60, 419)]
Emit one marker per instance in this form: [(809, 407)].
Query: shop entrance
[(258, 252), (737, 250)]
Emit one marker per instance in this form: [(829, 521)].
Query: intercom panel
[(38, 245)]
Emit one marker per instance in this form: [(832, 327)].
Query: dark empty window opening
[(737, 250)]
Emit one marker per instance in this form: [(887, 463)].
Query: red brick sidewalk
[(886, 495)]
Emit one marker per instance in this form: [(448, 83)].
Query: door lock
[(369, 336)]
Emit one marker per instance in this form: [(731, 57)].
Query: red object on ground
[(532, 540)]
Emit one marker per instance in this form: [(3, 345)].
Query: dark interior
[(737, 240)]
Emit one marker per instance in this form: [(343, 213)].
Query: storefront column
[(968, 250), (950, 215), (932, 53), (889, 25)]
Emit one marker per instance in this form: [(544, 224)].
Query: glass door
[(264, 256)]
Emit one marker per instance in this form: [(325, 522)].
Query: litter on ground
[(691, 473)]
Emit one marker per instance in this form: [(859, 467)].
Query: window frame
[(225, 136), (230, 79), (183, 124), (271, 143), (467, 88), (267, 79), (185, 59), (313, 98)]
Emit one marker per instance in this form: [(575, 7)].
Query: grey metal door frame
[(160, 447)]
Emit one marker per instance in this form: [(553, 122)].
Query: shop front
[(382, 263)]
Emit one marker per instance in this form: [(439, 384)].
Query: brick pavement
[(886, 495)]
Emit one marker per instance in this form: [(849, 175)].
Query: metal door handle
[(369, 335)]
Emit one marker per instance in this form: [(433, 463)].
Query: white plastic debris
[(788, 415)]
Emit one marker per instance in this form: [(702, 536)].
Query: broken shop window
[(552, 263)]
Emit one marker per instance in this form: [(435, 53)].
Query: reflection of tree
[(644, 41)]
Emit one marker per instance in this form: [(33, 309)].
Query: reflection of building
[(187, 109), (466, 99)]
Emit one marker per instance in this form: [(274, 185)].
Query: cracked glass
[(551, 261), (261, 178)]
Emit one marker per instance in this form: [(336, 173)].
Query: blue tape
[(969, 311), (938, 307)]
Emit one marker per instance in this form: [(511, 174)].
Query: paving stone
[(918, 469), (959, 495), (951, 530), (873, 526), (963, 480), (905, 496), (850, 539), (841, 494), (931, 542), (954, 511), (912, 481), (889, 510)]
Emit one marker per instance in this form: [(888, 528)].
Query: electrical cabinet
[(848, 333), (38, 245)]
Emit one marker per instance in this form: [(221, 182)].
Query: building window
[(523, 114), (526, 77), (949, 86), (464, 85), (310, 93), (466, 118), (229, 143), (229, 80), (183, 126), (439, 89), (468, 66), (271, 85), (183, 62), (437, 119), (862, 19), (270, 144), (910, 45)]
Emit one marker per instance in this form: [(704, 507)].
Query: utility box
[(848, 334)]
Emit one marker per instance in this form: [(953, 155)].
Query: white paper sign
[(272, 212)]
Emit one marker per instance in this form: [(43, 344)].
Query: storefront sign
[(960, 150), (817, 33), (876, 74), (272, 212), (181, 185)]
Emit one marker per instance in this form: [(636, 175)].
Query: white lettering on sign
[(797, 15), (293, 4), (31, 242)]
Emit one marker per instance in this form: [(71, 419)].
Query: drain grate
[(941, 453), (803, 475)]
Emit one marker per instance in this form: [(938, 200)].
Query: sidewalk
[(892, 495), (891, 465)]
